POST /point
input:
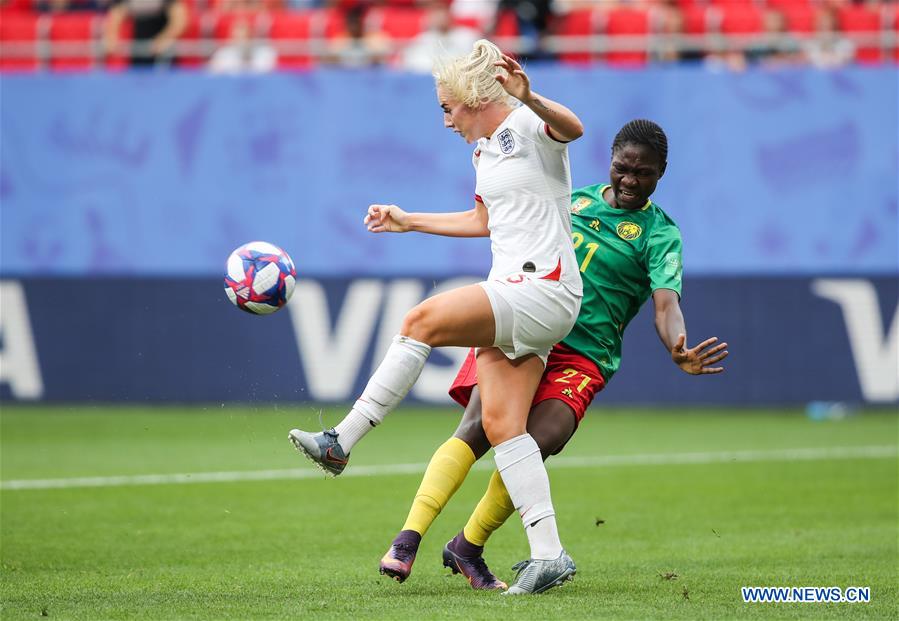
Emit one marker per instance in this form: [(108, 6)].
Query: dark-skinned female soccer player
[(628, 250)]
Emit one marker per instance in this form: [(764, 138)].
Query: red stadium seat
[(26, 6), (896, 32), (120, 59), (630, 23), (73, 36), (23, 31), (696, 20), (506, 25), (238, 6), (860, 19), (577, 23), (195, 33), (800, 18), (789, 4), (292, 26), (741, 19), (398, 23), (466, 21), (259, 21)]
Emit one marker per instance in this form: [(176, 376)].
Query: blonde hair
[(471, 79)]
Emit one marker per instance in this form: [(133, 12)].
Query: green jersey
[(624, 255)]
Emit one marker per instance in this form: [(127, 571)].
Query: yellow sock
[(494, 508), (448, 468)]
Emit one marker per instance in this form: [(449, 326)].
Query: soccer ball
[(259, 278)]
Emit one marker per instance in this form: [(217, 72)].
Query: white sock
[(391, 382), (519, 464), (351, 429)]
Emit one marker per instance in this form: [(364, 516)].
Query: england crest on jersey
[(506, 141)]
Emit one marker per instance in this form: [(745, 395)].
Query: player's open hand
[(386, 219), (699, 360), (516, 83)]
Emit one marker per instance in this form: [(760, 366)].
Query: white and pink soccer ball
[(259, 278)]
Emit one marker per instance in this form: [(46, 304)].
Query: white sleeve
[(527, 124)]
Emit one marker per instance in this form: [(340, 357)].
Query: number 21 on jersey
[(577, 239)]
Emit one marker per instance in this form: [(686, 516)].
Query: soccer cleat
[(322, 448), (472, 567), (535, 576), (397, 563)]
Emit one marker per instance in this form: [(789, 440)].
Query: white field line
[(650, 459)]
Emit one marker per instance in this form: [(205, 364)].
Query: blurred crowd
[(262, 35)]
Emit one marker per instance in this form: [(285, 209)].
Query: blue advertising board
[(790, 171), (792, 340)]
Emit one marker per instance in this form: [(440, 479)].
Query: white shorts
[(531, 314)]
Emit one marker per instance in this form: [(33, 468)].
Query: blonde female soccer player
[(629, 250), (528, 302)]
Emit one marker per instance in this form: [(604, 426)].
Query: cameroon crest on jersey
[(628, 230)]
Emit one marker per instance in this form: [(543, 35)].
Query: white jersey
[(524, 180)]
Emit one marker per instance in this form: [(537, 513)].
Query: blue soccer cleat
[(322, 449), (536, 576)]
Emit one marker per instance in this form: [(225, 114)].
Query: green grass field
[(744, 508)]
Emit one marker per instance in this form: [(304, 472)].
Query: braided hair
[(644, 132)]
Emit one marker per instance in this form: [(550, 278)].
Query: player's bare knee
[(551, 424), (417, 324), (498, 428), (549, 440)]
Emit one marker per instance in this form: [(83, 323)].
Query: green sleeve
[(664, 257)]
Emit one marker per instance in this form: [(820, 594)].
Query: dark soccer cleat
[(472, 567), (322, 448), (535, 576), (397, 563)]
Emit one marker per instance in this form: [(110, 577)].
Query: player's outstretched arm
[(564, 125), (669, 320), (392, 219)]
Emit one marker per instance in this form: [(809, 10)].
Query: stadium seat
[(397, 22), (232, 6), (25, 6), (120, 60), (741, 19), (292, 26), (74, 37), (577, 23), (800, 18), (22, 30), (506, 25), (260, 23), (896, 33), (196, 33), (469, 21), (860, 19), (696, 20), (626, 22), (788, 4)]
